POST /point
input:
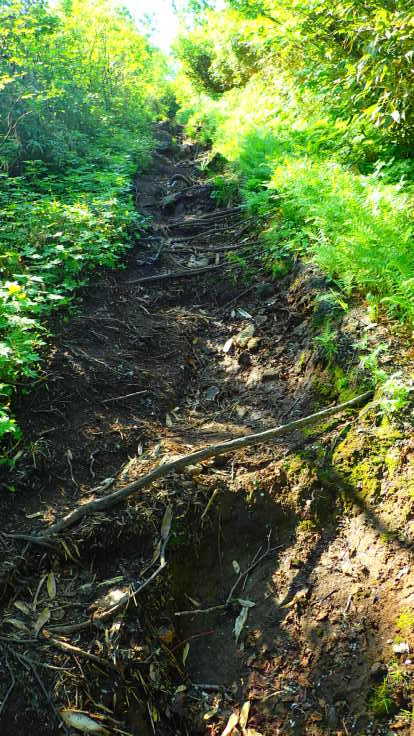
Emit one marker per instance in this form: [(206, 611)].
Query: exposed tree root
[(172, 275), (195, 457)]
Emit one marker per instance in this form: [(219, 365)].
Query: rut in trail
[(173, 353)]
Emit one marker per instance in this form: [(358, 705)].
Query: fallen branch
[(66, 647), (171, 275), (29, 538), (209, 216), (193, 458), (197, 611), (127, 396)]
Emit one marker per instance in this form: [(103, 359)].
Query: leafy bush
[(333, 189), (49, 244), (80, 88)]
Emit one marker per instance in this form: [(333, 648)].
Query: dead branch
[(127, 396), (171, 275), (71, 649), (195, 611), (193, 458), (257, 559), (182, 177), (209, 216)]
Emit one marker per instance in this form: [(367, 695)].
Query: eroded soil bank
[(302, 547)]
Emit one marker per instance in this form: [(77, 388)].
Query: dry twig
[(171, 275)]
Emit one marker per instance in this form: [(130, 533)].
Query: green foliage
[(369, 364), (80, 87), (384, 697), (67, 73), (218, 58), (333, 183), (358, 54), (395, 395), (381, 702), (49, 244), (327, 341), (226, 189), (405, 621)]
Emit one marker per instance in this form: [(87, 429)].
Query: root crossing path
[(235, 591)]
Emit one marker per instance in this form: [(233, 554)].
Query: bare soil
[(148, 369)]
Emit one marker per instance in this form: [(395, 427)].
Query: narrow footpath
[(250, 590)]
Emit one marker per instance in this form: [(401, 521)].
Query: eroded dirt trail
[(171, 354)]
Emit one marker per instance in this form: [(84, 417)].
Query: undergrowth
[(54, 232), (80, 88), (331, 190)]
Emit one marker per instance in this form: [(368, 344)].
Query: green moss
[(388, 431), (322, 386), (316, 429), (302, 360), (392, 460), (361, 459), (350, 449), (307, 526), (294, 465), (333, 382), (363, 478)]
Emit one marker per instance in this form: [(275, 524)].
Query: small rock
[(401, 648), (212, 393), (197, 262), (256, 415)]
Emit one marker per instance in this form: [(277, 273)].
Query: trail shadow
[(320, 618)]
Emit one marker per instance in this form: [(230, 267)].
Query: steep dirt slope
[(303, 545)]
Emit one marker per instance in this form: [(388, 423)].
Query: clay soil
[(151, 368)]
